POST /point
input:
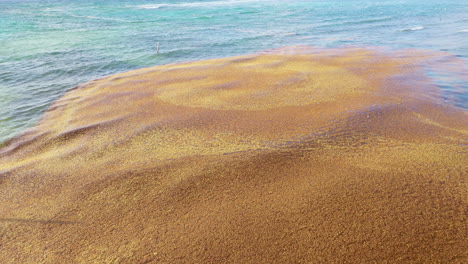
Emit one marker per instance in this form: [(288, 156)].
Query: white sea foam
[(197, 4), (100, 18), (414, 28), (154, 6)]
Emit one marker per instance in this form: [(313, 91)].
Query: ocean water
[(49, 47)]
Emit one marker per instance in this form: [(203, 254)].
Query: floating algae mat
[(297, 155)]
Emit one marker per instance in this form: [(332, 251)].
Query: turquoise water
[(48, 47)]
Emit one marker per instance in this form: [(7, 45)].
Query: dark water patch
[(249, 12)]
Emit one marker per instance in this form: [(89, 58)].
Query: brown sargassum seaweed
[(298, 155)]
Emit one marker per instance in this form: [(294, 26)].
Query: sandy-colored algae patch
[(298, 155), (277, 81)]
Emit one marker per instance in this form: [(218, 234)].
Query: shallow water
[(46, 48)]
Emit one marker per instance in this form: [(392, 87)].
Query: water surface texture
[(49, 47)]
